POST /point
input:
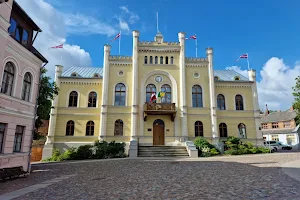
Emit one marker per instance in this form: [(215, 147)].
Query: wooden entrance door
[(158, 132)]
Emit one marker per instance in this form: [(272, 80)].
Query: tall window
[(90, 128), (120, 94), (118, 127), (73, 98), (198, 129), (161, 60), (221, 102), (172, 60), (167, 60), (223, 130), (92, 99), (239, 105), (151, 60), (197, 96), (242, 130), (167, 98), (18, 138), (290, 139), (70, 128), (146, 60), (2, 131), (26, 87), (18, 32), (156, 60), (149, 90), (8, 79)]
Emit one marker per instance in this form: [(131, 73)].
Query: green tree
[(47, 92), (296, 94)]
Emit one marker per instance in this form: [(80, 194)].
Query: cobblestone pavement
[(234, 177)]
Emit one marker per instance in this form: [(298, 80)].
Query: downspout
[(33, 121)]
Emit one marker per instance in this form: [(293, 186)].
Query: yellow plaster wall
[(232, 126), (205, 119)]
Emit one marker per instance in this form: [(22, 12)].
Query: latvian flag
[(193, 37), (117, 36), (153, 97), (243, 56), (58, 46)]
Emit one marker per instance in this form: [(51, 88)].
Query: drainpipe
[(33, 121)]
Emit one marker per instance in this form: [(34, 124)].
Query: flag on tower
[(243, 56), (58, 46)]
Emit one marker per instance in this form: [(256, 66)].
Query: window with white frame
[(287, 124), (18, 138)]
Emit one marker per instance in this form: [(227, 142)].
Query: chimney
[(267, 111), (291, 108)]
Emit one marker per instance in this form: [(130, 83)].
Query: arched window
[(120, 94), (198, 129), (167, 94), (237, 78), (26, 86), (239, 105), (74, 74), (242, 130), (167, 60), (92, 99), (223, 130), (73, 98), (70, 128), (146, 60), (172, 60), (149, 90), (221, 102), (156, 60), (118, 127), (8, 79), (151, 60), (161, 60), (197, 96), (90, 126)]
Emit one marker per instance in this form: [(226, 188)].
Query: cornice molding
[(166, 49), (196, 65), (120, 64), (80, 82), (233, 86), (154, 43)]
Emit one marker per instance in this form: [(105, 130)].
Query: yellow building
[(113, 102)]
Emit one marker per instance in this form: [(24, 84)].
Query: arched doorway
[(158, 132)]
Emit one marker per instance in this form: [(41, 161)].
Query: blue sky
[(267, 30)]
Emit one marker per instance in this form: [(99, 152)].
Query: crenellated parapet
[(196, 62), (148, 43), (117, 58)]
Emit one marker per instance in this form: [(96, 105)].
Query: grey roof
[(229, 75), (83, 72), (88, 72), (278, 131), (279, 116)]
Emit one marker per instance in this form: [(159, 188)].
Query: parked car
[(277, 145)]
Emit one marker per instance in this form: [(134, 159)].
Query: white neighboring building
[(281, 126)]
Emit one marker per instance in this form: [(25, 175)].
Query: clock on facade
[(158, 79)]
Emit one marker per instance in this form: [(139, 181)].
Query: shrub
[(214, 151), (83, 152)]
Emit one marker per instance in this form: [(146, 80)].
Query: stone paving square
[(232, 177)]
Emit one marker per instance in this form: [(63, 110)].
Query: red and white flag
[(117, 36), (58, 46), (193, 37), (153, 97), (243, 56)]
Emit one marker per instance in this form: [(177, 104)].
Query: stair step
[(162, 151)]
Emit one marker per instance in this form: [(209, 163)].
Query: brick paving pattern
[(233, 177)]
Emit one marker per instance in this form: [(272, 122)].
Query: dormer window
[(217, 78), (96, 75), (74, 74), (18, 32), (237, 78)]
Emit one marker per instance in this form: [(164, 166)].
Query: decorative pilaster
[(134, 109), (183, 108), (48, 147), (209, 54), (105, 81), (259, 136)]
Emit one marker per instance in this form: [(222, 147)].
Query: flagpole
[(157, 22), (196, 47), (248, 61), (120, 42)]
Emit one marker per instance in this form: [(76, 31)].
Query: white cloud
[(123, 25), (132, 17), (54, 33), (125, 18), (275, 86)]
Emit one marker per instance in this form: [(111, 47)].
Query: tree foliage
[(47, 92), (296, 94)]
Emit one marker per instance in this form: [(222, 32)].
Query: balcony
[(160, 109)]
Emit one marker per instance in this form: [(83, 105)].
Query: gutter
[(34, 118)]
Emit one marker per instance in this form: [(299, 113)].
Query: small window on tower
[(237, 78), (217, 78), (74, 74)]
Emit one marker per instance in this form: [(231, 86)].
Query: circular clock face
[(158, 79)]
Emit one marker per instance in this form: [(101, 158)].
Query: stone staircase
[(162, 151)]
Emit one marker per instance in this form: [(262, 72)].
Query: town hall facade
[(113, 103)]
